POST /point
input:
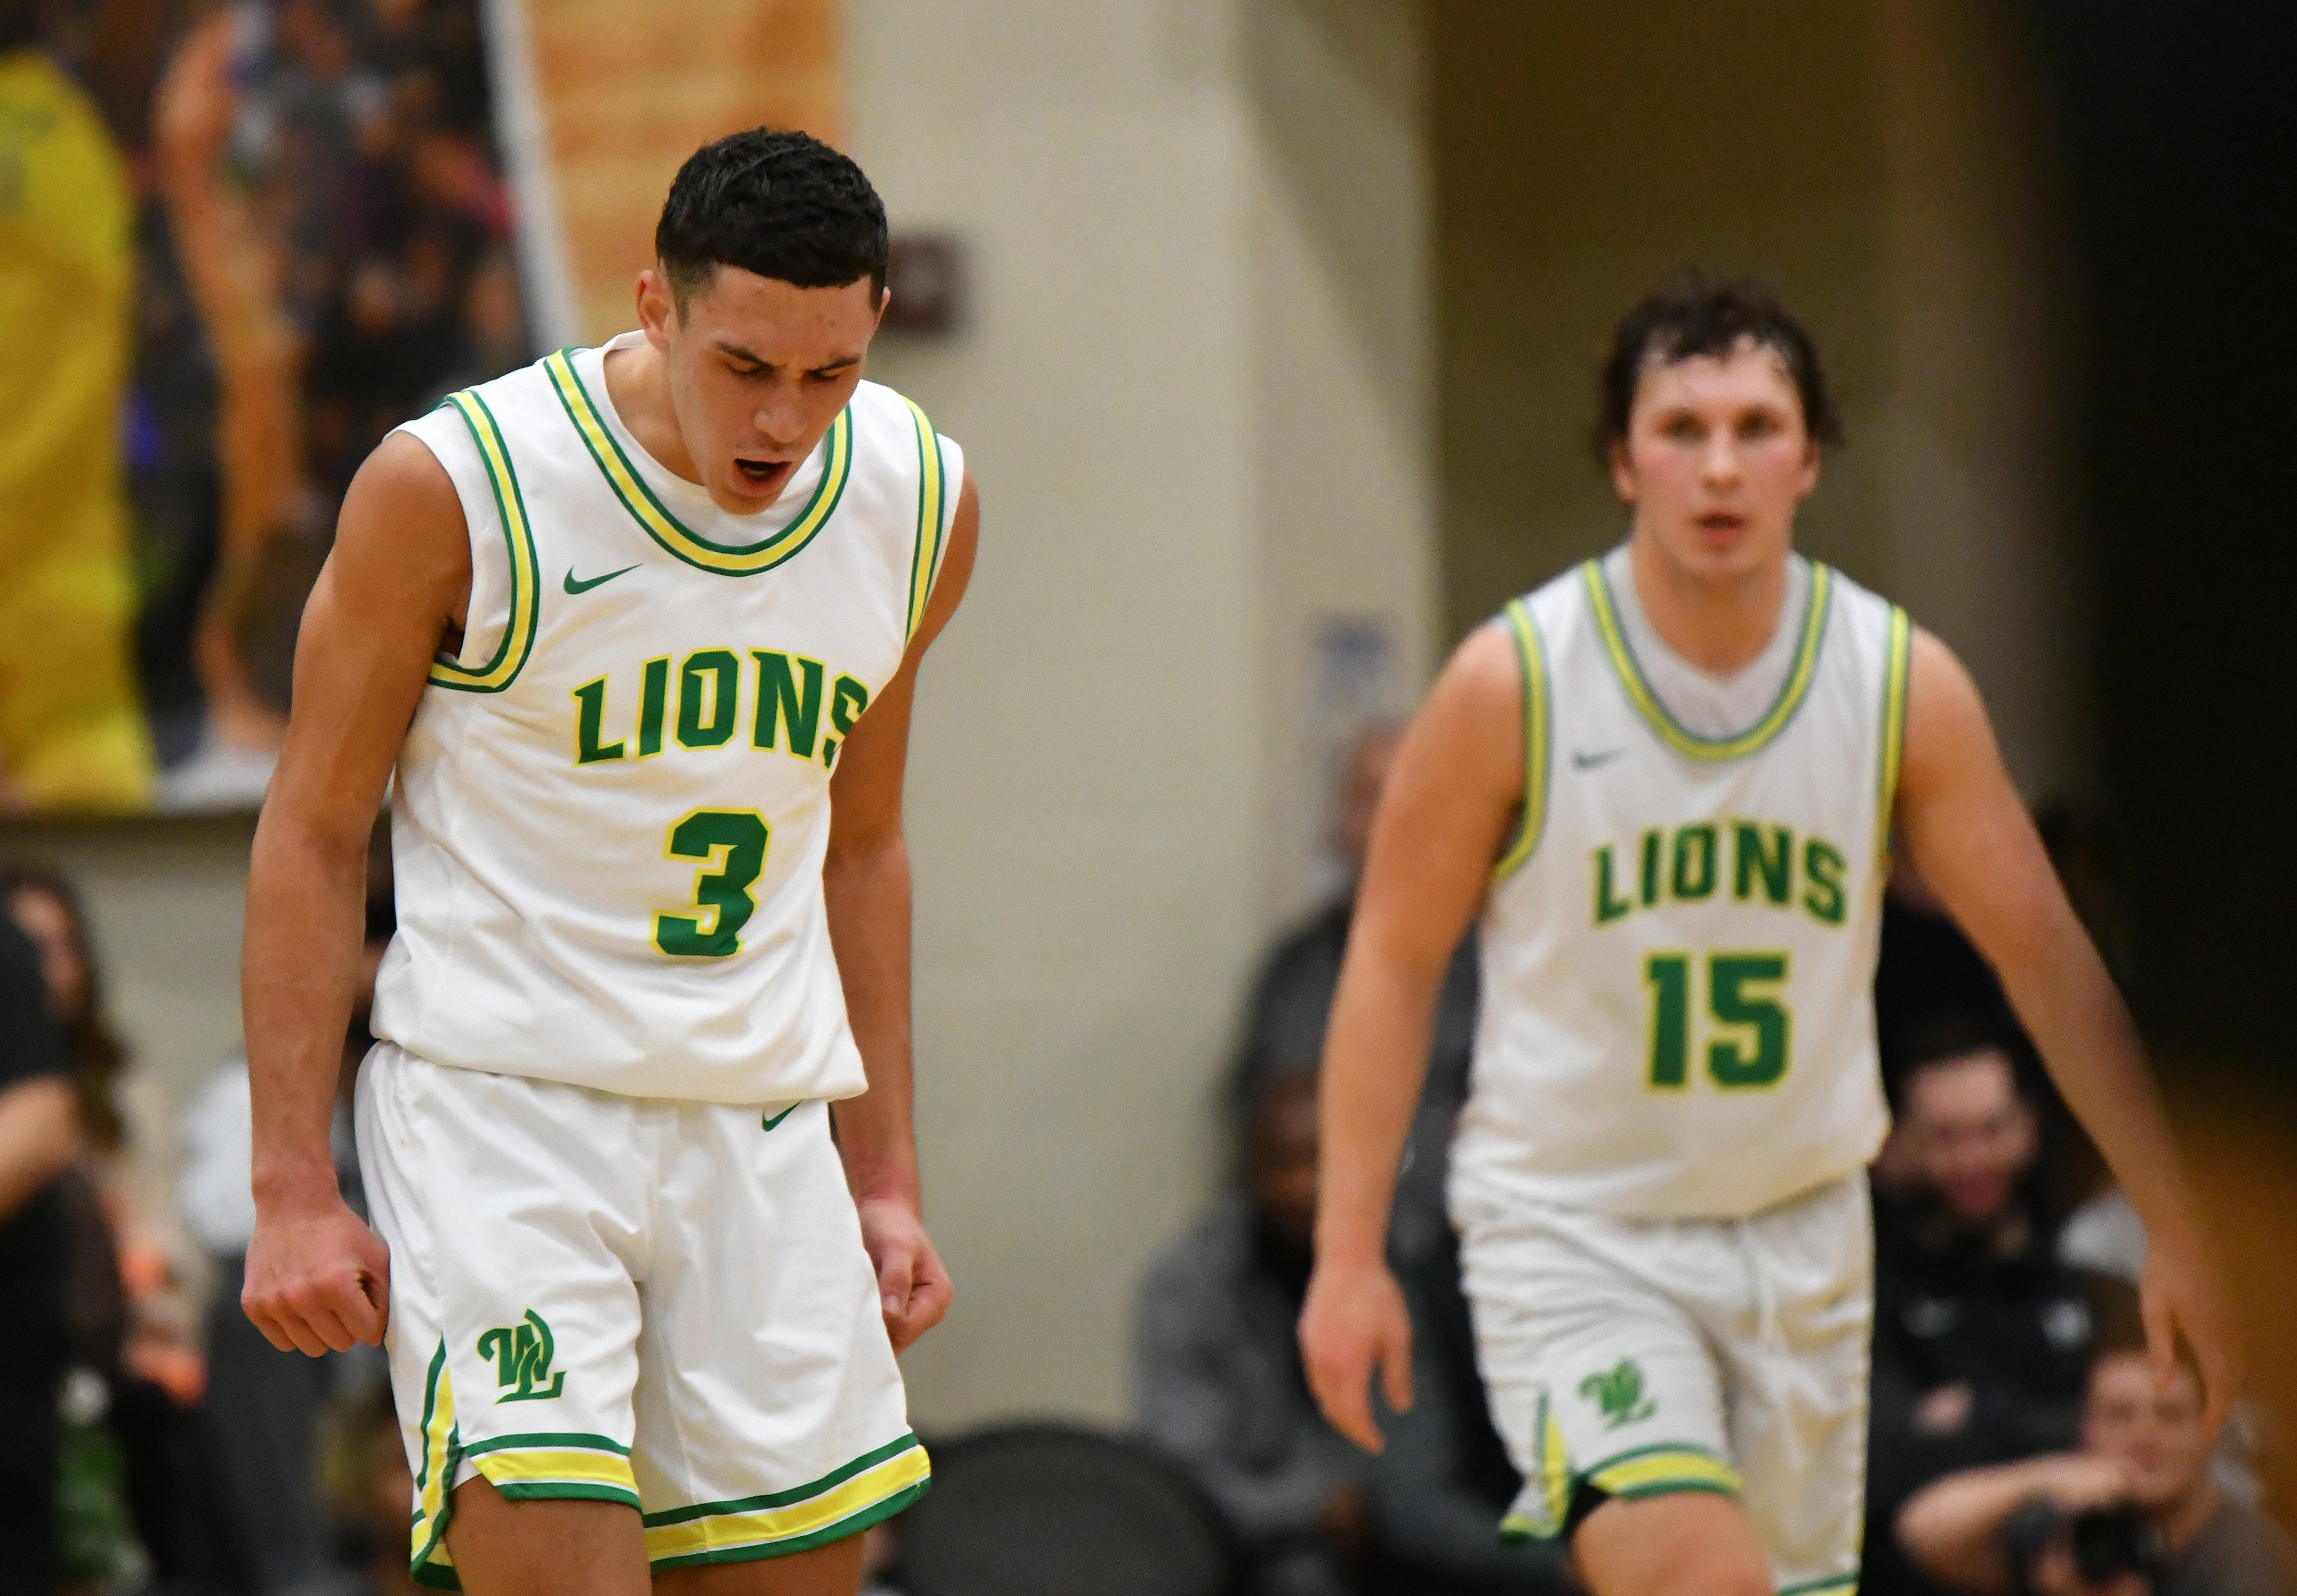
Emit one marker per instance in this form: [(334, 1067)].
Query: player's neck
[(1721, 625), (637, 384)]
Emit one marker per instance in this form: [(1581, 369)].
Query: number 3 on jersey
[(735, 840), (1753, 1041)]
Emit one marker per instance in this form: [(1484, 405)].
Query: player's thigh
[(772, 1420), (1798, 1387), (831, 1570), (1600, 1382), (553, 1546), (1689, 1543), (509, 1206)]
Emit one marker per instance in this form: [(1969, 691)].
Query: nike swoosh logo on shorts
[(1583, 761), (584, 587)]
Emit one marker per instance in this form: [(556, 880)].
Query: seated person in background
[(265, 1405), (1291, 1002), (1443, 1482), (1981, 1333), (40, 1139), (1217, 1376), (2135, 1510), (369, 1488)]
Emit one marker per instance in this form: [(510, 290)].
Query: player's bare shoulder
[(1474, 715), (401, 542)]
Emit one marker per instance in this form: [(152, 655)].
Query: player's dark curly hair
[(773, 202), (1692, 314)]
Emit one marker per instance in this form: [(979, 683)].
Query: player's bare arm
[(1971, 839), (393, 593), (1442, 820), (865, 882)]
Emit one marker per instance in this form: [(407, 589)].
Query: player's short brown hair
[(1692, 314)]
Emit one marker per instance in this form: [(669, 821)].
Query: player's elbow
[(864, 850)]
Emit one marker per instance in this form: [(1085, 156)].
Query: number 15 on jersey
[(1749, 1027)]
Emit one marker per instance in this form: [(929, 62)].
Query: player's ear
[(1809, 482), (657, 305), (1622, 471)]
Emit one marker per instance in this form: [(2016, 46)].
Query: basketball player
[(638, 627), (1670, 782)]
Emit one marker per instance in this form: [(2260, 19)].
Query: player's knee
[(1691, 1543)]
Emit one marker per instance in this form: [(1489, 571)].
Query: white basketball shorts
[(1634, 1358), (639, 1300)]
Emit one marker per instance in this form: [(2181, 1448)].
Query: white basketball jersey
[(1678, 947), (613, 806)]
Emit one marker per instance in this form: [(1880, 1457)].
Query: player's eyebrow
[(733, 351)]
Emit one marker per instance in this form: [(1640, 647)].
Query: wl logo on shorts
[(1619, 1394), (522, 1355)]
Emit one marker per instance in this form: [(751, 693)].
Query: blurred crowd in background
[(244, 241)]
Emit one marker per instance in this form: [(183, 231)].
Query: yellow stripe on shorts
[(524, 1468), (874, 1486), (428, 1560), (1656, 1471)]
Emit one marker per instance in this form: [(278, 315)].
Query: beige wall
[(1188, 400), (165, 901)]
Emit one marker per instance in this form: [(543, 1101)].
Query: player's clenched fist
[(318, 1279), (1355, 1321), (913, 1289)]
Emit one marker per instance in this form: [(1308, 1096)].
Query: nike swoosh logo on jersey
[(1582, 759), (584, 587)]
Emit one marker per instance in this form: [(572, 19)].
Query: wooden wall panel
[(628, 92)]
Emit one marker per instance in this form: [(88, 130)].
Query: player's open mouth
[(1722, 524), (764, 474)]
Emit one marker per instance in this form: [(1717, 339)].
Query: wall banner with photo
[(238, 245)]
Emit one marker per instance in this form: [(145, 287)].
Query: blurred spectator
[(266, 1406), (72, 732), (1981, 1333), (137, 1452), (370, 1489), (1440, 1488), (1291, 1003), (2135, 1510), (39, 1138), (1217, 1378)]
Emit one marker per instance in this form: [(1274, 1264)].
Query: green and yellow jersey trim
[(1551, 1479), (933, 509), (518, 536), (1898, 670), (1663, 1469), (844, 1501), (1538, 716), (434, 1481), (557, 1464), (1840, 1585), (1714, 750), (665, 529)]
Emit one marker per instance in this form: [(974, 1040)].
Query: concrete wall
[(1189, 395)]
